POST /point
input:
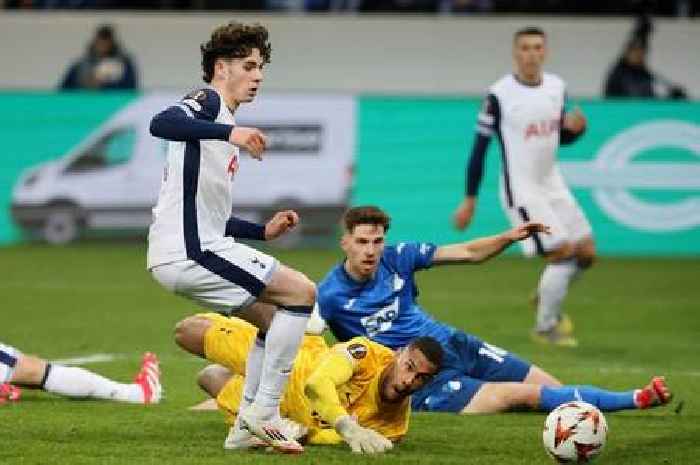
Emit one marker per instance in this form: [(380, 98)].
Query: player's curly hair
[(234, 40), (367, 214)]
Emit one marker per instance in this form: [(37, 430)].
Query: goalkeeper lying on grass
[(357, 391)]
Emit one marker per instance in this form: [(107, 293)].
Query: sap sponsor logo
[(613, 173), (292, 137), (382, 320)]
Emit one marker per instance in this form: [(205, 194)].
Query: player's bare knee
[(304, 289), (308, 290), (189, 334)]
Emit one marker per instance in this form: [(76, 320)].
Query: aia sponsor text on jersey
[(543, 128)]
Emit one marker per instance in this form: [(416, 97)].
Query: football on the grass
[(574, 432)]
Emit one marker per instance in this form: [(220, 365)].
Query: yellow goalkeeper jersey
[(228, 341)]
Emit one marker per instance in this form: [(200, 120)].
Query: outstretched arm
[(480, 250)]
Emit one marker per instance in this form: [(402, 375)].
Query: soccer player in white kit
[(526, 111), (191, 245), (30, 371)]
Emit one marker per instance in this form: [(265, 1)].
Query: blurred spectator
[(104, 65), (630, 76)]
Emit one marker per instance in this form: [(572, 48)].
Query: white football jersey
[(195, 197), (526, 119)]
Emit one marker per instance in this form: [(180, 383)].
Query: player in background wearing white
[(33, 372), (526, 111), (191, 245)]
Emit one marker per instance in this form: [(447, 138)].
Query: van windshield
[(113, 149)]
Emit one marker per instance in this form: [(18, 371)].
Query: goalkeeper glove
[(361, 440)]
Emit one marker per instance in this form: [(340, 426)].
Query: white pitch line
[(85, 359), (636, 370)]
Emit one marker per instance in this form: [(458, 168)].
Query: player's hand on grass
[(251, 139), (281, 223), (526, 230), (361, 440), (575, 121)]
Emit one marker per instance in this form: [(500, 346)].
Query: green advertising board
[(635, 172)]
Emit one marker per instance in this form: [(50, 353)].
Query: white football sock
[(253, 371), (78, 382), (554, 284), (281, 346)]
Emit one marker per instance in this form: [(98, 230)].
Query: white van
[(110, 181)]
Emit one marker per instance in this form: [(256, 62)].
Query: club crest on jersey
[(199, 95), (357, 351), (544, 128), (195, 99)]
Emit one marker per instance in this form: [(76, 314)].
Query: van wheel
[(61, 226)]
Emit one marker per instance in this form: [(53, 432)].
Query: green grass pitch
[(635, 318)]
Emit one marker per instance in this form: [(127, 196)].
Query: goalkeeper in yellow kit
[(357, 391)]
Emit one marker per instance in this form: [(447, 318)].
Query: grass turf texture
[(634, 318)]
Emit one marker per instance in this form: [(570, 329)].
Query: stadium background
[(416, 82)]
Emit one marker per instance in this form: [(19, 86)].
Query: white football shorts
[(560, 211), (225, 280)]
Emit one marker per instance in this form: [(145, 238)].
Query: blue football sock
[(607, 401)]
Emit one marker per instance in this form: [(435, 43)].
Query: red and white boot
[(149, 379), (9, 393), (653, 394)]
